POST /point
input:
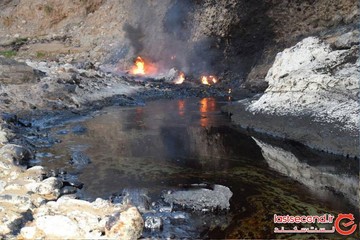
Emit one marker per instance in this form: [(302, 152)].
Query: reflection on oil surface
[(167, 143)]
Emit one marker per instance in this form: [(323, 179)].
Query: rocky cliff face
[(311, 78), (232, 38), (312, 96)]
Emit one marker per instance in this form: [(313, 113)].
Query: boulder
[(69, 218), (346, 40), (16, 154), (138, 198), (3, 137), (79, 159), (22, 203), (125, 225), (57, 227), (13, 72), (153, 223), (48, 188), (201, 199)]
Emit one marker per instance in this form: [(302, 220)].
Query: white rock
[(153, 223), (58, 226), (128, 226), (48, 188), (28, 232), (84, 220), (310, 77), (3, 138), (35, 173)]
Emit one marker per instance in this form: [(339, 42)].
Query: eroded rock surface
[(201, 199), (311, 78), (13, 72), (312, 98)]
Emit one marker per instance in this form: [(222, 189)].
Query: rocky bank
[(312, 98), (35, 204)]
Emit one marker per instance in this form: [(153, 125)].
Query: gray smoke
[(134, 35), (166, 39)]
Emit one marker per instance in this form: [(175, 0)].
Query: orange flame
[(207, 105), (139, 68), (180, 79), (181, 107), (142, 67), (208, 80)]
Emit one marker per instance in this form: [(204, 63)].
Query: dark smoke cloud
[(135, 37), (161, 37)]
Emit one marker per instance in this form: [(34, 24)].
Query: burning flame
[(139, 68), (180, 79), (142, 67), (208, 80)]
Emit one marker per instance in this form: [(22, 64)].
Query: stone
[(90, 218), (79, 159), (30, 233), (126, 225), (153, 223), (9, 117), (58, 227), (16, 154), (22, 203), (201, 199), (69, 68), (13, 72), (86, 221), (68, 190), (9, 221), (347, 40), (3, 137), (138, 198), (35, 173), (48, 188)]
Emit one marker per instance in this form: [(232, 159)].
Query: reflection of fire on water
[(181, 107), (229, 96), (208, 80), (206, 105)]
